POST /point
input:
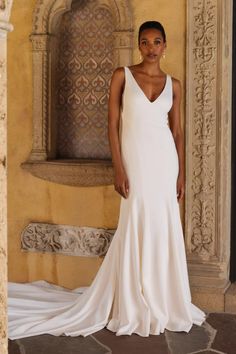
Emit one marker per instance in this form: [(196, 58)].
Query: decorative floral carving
[(203, 183), (69, 240)]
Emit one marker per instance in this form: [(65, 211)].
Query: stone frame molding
[(46, 19), (5, 27), (208, 145)]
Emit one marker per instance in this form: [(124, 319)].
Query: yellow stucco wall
[(34, 200)]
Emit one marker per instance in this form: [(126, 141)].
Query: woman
[(142, 285), (151, 79)]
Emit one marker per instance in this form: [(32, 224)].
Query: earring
[(140, 56), (163, 55)]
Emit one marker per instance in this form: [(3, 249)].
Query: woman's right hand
[(121, 183)]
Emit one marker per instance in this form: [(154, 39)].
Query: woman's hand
[(121, 183), (180, 187)]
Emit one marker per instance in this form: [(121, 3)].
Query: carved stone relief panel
[(204, 128), (208, 136), (66, 239), (85, 66)]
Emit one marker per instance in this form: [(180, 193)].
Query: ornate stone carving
[(204, 128), (40, 89), (207, 98), (45, 10), (39, 42), (65, 239), (46, 20)]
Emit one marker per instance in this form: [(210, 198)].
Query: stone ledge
[(211, 299), (66, 239), (230, 299), (81, 172)]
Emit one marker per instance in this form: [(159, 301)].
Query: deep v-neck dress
[(142, 285)]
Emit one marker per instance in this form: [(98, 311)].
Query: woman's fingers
[(119, 190), (127, 186), (180, 193), (123, 189)]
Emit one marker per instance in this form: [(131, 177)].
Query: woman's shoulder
[(119, 70), (119, 73), (176, 85), (118, 76), (176, 82)]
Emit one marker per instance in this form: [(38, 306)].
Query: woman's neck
[(151, 68)]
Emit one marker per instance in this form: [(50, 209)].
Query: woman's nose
[(150, 46)]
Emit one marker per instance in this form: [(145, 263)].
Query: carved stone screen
[(84, 69)]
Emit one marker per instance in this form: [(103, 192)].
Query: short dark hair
[(152, 24)]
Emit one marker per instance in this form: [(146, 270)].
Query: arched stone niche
[(43, 161)]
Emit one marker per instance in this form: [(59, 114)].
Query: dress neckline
[(151, 102)]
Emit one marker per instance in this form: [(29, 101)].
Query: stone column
[(208, 149), (5, 8)]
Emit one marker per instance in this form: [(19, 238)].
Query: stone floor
[(216, 335)]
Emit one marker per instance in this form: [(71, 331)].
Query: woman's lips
[(151, 55)]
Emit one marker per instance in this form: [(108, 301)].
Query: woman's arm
[(114, 105), (175, 126)]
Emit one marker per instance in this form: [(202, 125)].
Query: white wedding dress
[(142, 285)]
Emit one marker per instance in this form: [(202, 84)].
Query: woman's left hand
[(180, 187)]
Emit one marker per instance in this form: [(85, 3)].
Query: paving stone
[(133, 344), (198, 338), (49, 344), (215, 336), (225, 339), (13, 347)]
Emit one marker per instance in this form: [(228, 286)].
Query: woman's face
[(151, 44)]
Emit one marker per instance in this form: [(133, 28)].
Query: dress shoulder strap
[(126, 71), (171, 86)]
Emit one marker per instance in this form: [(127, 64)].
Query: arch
[(46, 19), (47, 11)]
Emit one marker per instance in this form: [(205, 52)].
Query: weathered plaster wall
[(32, 199)]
